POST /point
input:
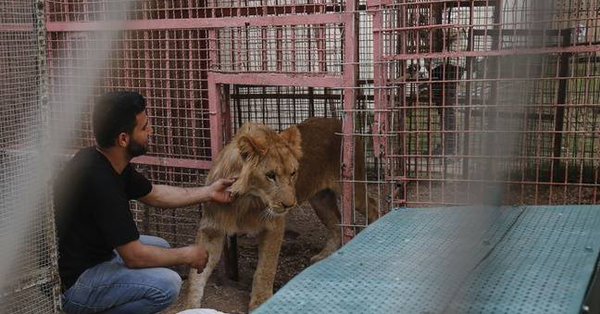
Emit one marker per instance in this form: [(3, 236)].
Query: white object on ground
[(201, 311)]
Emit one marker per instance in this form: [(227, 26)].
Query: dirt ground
[(304, 237)]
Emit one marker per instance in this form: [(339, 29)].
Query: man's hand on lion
[(220, 191), (197, 257)]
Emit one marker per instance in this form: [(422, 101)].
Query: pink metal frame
[(300, 45), (219, 113), (220, 116), (213, 40), (503, 38), (350, 81)]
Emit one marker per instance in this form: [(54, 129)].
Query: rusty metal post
[(350, 78)]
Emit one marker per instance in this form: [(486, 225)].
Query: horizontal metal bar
[(16, 27), (378, 3), (275, 9), (277, 79), (494, 53), (447, 4), (204, 23), (410, 180), (430, 157), (286, 96), (172, 162)]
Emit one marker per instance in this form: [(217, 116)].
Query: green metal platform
[(534, 259)]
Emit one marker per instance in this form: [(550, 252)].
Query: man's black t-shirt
[(91, 202)]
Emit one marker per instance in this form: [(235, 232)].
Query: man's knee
[(154, 241), (168, 286)]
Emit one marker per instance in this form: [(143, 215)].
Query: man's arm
[(135, 254), (166, 196)]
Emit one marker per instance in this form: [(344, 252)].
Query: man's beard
[(135, 149)]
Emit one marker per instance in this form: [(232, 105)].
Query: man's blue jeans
[(111, 287)]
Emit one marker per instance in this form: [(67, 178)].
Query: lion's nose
[(287, 205)]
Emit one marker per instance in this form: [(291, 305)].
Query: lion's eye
[(271, 175), (293, 173)]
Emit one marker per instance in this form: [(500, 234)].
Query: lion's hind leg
[(368, 205), (212, 240), (325, 205)]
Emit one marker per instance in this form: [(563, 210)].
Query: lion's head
[(265, 163)]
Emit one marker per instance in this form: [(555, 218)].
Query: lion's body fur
[(313, 149)]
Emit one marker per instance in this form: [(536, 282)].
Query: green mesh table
[(534, 259)]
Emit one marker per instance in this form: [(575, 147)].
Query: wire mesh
[(441, 73), (460, 78), (440, 63), (168, 67), (294, 48), (28, 247), (178, 226), (449, 98), (280, 107), (90, 10)]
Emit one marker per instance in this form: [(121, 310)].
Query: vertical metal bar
[(380, 123), (220, 126), (293, 29), (167, 95), (226, 112), (45, 116), (311, 90), (264, 45), (468, 91), (278, 45), (214, 102), (322, 64), (278, 105), (127, 55), (559, 119), (350, 80), (66, 12), (381, 105), (204, 56), (238, 105), (491, 138), (191, 92), (321, 46), (148, 78)]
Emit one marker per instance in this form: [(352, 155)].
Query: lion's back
[(320, 162)]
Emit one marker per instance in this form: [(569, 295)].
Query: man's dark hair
[(114, 113)]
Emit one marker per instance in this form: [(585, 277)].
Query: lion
[(276, 172)]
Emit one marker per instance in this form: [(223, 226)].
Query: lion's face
[(270, 166)]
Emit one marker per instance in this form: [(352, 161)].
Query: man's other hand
[(197, 257)]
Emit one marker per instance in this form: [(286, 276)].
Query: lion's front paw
[(317, 258), (193, 300), (192, 304), (332, 245), (257, 301), (321, 256)]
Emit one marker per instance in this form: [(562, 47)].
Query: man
[(91, 199)]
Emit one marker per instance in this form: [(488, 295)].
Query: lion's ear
[(250, 147), (293, 137)]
